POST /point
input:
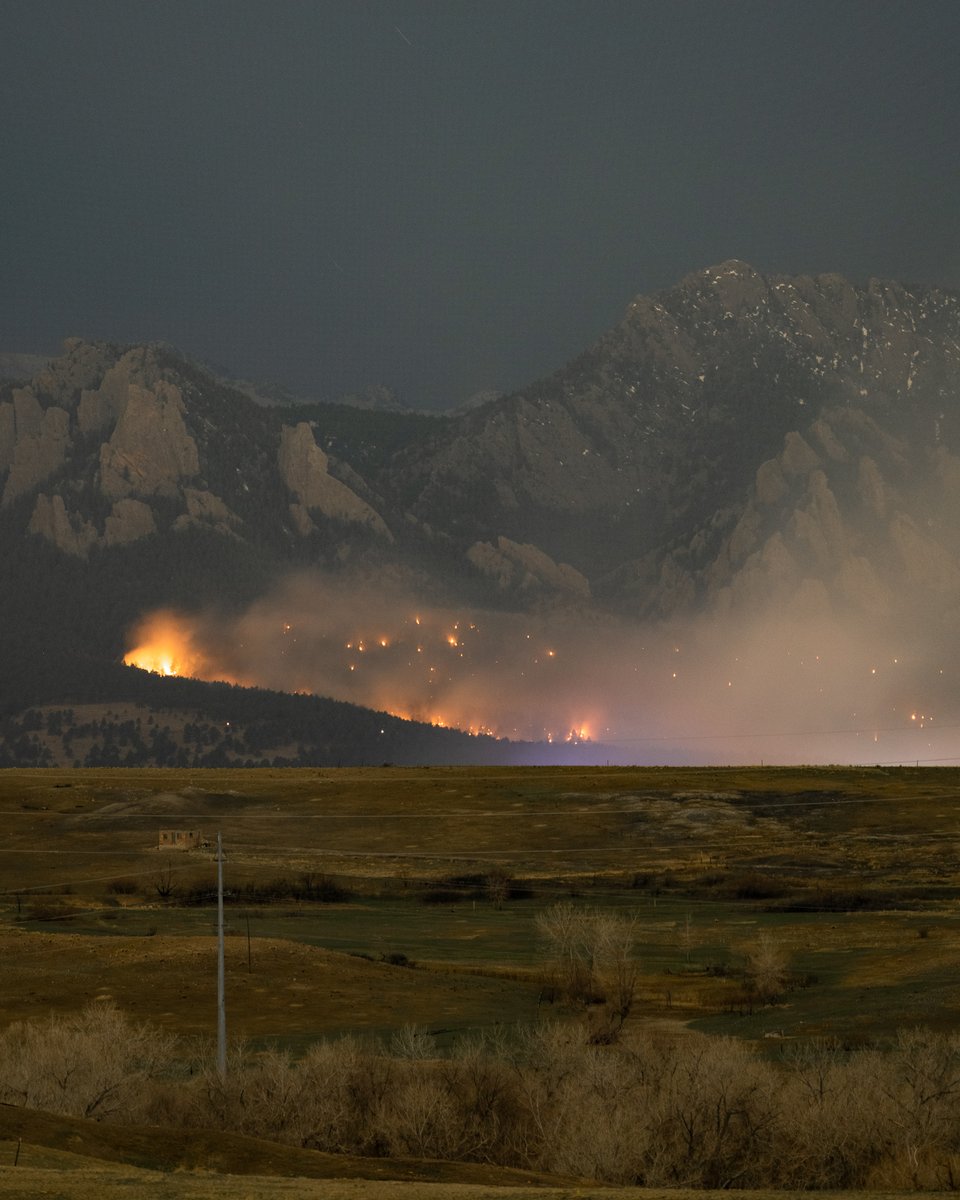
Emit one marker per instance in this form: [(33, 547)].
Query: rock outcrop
[(40, 442), (303, 468), (67, 531), (738, 440), (848, 531), (664, 421), (128, 521), (150, 452), (526, 568), (81, 365)]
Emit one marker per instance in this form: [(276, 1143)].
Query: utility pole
[(221, 996)]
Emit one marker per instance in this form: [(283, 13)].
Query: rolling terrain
[(404, 909), (414, 894)]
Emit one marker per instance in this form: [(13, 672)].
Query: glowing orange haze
[(772, 685), (422, 666), (164, 644)]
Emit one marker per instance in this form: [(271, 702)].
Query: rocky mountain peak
[(736, 433)]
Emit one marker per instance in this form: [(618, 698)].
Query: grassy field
[(363, 901), (139, 1185), (853, 872), (45, 1142)]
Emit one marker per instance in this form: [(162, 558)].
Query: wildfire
[(707, 692), (165, 646), (424, 666)]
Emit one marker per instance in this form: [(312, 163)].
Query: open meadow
[(412, 908), (366, 900)]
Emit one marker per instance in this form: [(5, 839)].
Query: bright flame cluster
[(165, 644), (424, 667)]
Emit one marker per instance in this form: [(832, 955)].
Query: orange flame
[(385, 669), (165, 645)]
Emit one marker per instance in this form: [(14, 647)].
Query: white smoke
[(774, 687)]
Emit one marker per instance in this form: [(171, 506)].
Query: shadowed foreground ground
[(62, 1158), (51, 1141), (126, 1183)]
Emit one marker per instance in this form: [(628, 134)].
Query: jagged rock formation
[(841, 520), (121, 455), (735, 441), (661, 425), (517, 568), (128, 521), (304, 469), (206, 509), (149, 452), (67, 531), (35, 443)]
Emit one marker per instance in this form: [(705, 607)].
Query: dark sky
[(444, 196)]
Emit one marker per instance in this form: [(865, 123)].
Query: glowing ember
[(727, 690)]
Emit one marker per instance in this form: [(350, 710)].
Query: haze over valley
[(728, 531)]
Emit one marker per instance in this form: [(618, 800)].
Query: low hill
[(155, 721), (215, 1151)]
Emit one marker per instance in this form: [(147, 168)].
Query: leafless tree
[(592, 963), (766, 969)]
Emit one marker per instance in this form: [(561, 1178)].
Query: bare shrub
[(874, 1118), (163, 883), (584, 1106), (699, 1112), (412, 1042), (702, 1113), (420, 1119), (481, 1077), (256, 1095), (831, 1139), (95, 1064), (592, 964), (122, 887), (917, 1088), (347, 1087), (615, 969), (714, 1117)]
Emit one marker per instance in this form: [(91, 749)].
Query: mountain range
[(737, 443)]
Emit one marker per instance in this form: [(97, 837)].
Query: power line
[(62, 883)]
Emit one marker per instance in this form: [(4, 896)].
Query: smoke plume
[(774, 687)]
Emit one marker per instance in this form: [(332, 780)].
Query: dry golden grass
[(688, 836), (670, 847), (130, 1184), (546, 821), (292, 989), (47, 1141)]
